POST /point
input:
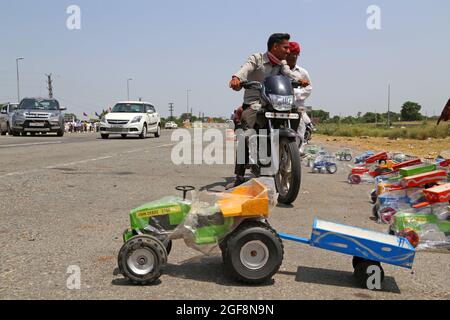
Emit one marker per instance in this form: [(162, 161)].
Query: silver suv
[(6, 113), (38, 115)]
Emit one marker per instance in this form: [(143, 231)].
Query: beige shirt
[(258, 68)]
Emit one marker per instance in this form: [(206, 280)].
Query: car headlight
[(18, 115), (103, 119), (136, 119), (281, 103)]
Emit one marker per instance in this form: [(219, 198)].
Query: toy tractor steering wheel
[(185, 190)]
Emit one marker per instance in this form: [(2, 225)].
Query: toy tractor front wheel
[(142, 259), (253, 253)]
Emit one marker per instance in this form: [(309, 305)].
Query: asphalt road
[(65, 201)]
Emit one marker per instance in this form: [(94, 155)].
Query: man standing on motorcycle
[(258, 67), (301, 94)]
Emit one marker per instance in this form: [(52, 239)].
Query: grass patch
[(415, 131)]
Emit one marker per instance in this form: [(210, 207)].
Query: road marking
[(21, 173), (29, 144)]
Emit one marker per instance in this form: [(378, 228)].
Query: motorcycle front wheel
[(288, 178)]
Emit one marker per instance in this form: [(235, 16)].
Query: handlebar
[(251, 85), (257, 85)]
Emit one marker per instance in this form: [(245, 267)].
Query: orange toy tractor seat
[(250, 200)]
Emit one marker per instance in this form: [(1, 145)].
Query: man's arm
[(302, 94), (249, 66)]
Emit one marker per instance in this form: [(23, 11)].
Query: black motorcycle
[(283, 158)]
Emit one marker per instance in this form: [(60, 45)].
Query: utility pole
[(376, 118), (187, 100), (18, 85), (128, 88), (171, 109), (50, 86)]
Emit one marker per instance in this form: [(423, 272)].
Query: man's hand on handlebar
[(304, 83), (235, 84)]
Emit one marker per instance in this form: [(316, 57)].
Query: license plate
[(36, 124)]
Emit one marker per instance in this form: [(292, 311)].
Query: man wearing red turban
[(301, 94)]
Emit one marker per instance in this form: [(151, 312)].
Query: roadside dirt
[(422, 148)]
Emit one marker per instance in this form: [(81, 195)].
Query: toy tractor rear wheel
[(332, 169), (142, 259), (253, 253), (364, 269)]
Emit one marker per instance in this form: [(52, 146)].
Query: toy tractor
[(324, 164), (344, 155), (235, 222)]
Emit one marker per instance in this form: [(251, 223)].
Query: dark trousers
[(249, 120)]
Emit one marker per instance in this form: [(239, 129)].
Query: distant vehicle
[(171, 125), (6, 117), (38, 115), (131, 118)]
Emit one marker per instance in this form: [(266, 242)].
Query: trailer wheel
[(142, 259), (375, 209), (253, 253), (363, 271), (373, 196), (354, 179)]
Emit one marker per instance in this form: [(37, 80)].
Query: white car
[(131, 118), (171, 125)]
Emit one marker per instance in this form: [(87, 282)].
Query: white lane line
[(21, 173), (29, 144)]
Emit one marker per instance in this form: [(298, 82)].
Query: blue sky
[(168, 47)]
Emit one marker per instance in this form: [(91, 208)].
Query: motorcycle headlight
[(281, 103), (136, 119)]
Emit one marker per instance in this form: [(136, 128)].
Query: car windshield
[(128, 108), (33, 104)]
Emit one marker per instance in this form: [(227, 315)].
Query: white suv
[(131, 118)]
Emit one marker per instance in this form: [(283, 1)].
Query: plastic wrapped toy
[(234, 221)]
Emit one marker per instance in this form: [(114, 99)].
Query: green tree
[(411, 111), (321, 115), (369, 117)]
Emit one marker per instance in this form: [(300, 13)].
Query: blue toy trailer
[(368, 248)]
